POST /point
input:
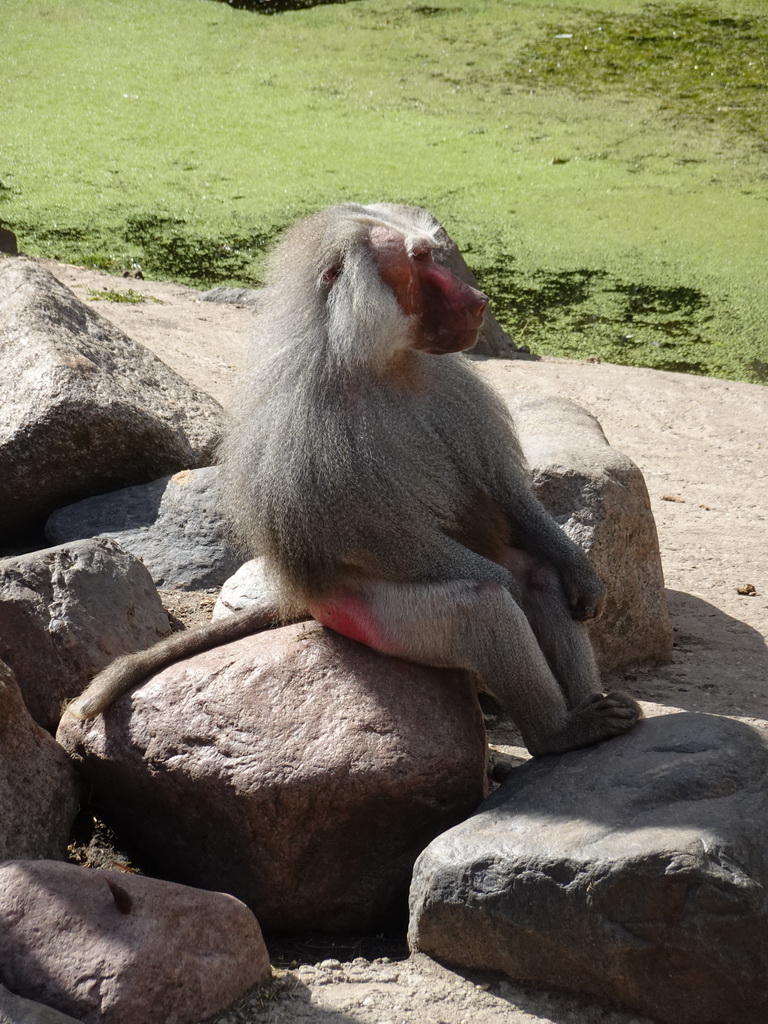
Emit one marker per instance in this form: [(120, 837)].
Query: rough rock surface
[(109, 947), (250, 585), (15, 1010), (296, 769), (600, 499), (66, 612), (635, 871), (85, 409), (173, 525), (39, 791)]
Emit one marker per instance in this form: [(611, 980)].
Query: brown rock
[(109, 947), (38, 786), (298, 770)]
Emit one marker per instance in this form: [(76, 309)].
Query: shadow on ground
[(719, 663)]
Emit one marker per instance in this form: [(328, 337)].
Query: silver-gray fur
[(375, 476)]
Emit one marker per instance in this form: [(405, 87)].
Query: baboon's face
[(446, 313)]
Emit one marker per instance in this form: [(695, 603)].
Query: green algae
[(694, 58), (613, 200)]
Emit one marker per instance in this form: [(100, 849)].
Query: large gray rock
[(15, 1010), (600, 499), (66, 612), (109, 947), (635, 871), (39, 791), (296, 769), (85, 409), (173, 525)]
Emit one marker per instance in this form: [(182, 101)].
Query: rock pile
[(297, 770), (293, 778)]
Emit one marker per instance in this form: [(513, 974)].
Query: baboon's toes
[(617, 711)]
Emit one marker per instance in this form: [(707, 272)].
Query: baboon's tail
[(128, 670)]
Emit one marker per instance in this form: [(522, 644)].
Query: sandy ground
[(702, 445)]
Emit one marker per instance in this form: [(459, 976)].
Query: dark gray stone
[(173, 525), (66, 612), (233, 296), (635, 871), (39, 791), (15, 1010), (85, 409), (8, 241)]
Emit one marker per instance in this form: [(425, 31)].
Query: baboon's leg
[(478, 627), (564, 641)]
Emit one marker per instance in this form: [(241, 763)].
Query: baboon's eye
[(422, 254)]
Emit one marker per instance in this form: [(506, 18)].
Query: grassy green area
[(603, 164), (130, 295)]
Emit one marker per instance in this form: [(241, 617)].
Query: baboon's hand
[(584, 592)]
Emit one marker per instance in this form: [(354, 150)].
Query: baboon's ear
[(331, 275)]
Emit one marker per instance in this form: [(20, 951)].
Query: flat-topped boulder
[(635, 871)]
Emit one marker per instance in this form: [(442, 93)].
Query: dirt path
[(702, 445)]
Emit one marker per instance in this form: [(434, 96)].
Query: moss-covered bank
[(603, 163)]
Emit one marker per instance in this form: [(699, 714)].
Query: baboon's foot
[(599, 717)]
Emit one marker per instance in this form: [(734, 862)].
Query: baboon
[(384, 484)]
